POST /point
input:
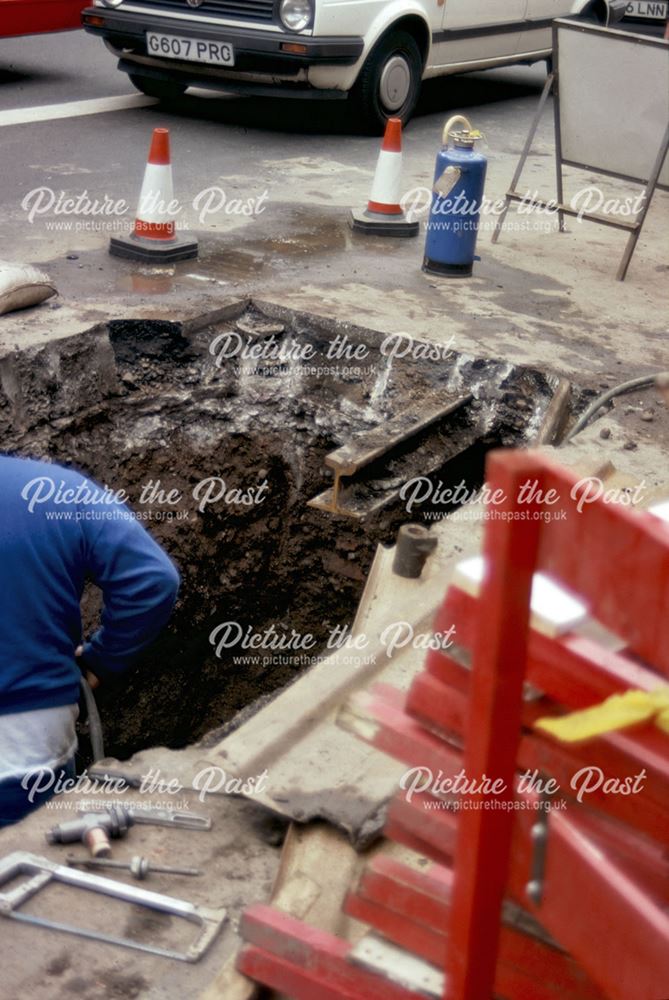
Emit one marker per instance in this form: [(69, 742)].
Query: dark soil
[(144, 402)]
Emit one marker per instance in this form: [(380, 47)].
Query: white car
[(376, 51)]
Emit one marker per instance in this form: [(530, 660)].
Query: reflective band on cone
[(387, 184), (154, 236), (154, 230), (384, 215), (153, 221)]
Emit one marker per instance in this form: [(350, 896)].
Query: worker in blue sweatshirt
[(57, 530)]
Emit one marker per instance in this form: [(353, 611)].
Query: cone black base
[(183, 247), (377, 224), (447, 270)]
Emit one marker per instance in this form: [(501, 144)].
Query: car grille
[(237, 10)]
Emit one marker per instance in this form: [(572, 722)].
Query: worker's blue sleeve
[(139, 585)]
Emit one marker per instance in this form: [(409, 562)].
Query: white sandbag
[(22, 286)]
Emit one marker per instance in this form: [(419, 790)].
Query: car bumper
[(256, 51), (646, 27)]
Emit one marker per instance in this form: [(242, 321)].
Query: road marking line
[(74, 109)]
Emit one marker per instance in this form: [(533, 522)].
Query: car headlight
[(296, 15), (109, 3)]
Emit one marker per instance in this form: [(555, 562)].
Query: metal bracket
[(398, 439), (539, 832), (42, 871), (400, 967)]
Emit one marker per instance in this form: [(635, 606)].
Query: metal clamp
[(42, 872)]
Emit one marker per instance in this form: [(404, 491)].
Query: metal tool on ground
[(384, 215), (42, 872), (95, 830), (138, 866), (384, 444), (154, 817)]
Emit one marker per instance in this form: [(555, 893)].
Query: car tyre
[(164, 90), (389, 82)]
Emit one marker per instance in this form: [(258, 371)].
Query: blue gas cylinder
[(457, 194)]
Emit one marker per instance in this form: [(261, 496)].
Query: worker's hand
[(92, 680)]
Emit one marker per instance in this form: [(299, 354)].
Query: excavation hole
[(159, 408)]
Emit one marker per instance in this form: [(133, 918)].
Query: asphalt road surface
[(289, 148), (284, 176)]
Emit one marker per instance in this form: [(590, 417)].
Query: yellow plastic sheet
[(618, 712)]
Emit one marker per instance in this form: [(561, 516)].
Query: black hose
[(94, 721), (635, 383)]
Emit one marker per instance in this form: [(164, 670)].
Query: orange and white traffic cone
[(383, 215), (154, 236)]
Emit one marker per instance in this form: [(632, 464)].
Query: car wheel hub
[(395, 83)]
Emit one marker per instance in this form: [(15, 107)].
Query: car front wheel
[(164, 90), (389, 82)]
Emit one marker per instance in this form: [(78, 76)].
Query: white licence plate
[(190, 49), (647, 8)]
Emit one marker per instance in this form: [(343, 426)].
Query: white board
[(614, 99)]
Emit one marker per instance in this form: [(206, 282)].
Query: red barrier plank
[(424, 896), (618, 756), (424, 818), (527, 968), (435, 704), (393, 732), (617, 931), (616, 559), (483, 844), (573, 669), (306, 963)]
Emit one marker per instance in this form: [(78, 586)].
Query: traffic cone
[(383, 215), (154, 236)]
